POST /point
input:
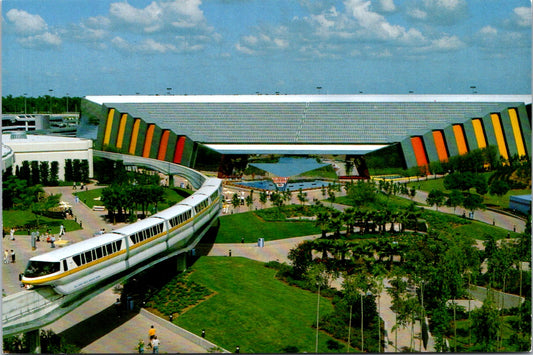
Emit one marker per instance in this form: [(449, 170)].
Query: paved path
[(94, 326)]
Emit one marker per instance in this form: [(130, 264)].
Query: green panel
[(140, 139), (127, 134), (508, 132), (188, 150), (525, 126), (431, 149), (171, 147), (156, 140), (470, 135), (408, 153), (451, 143), (114, 129), (489, 130)]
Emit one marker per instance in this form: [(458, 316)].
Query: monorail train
[(73, 268)]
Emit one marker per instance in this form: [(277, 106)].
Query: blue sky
[(107, 47)]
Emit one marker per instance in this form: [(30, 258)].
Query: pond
[(291, 186)]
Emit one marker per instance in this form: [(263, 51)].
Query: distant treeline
[(41, 104)]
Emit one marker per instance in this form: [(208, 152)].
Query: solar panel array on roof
[(302, 122)]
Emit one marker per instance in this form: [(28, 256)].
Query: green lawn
[(19, 219), (91, 197), (252, 309), (489, 200), (249, 226)]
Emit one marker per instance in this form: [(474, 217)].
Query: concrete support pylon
[(34, 341), (181, 262)]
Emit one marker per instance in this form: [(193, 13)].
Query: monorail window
[(109, 248), (41, 268), (65, 268), (98, 252), (118, 245), (88, 256), (77, 259)]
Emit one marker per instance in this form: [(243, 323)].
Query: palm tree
[(322, 222)]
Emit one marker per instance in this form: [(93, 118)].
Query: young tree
[(455, 198), (485, 325), (54, 173), (44, 172), (499, 187), (25, 172), (435, 197), (35, 174), (235, 201), (68, 170)]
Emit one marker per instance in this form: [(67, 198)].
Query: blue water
[(291, 186)]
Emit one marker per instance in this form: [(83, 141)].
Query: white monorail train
[(78, 266)]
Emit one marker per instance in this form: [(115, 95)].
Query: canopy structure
[(287, 167)]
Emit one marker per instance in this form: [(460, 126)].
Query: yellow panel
[(498, 131), (122, 129), (134, 135), (480, 134), (517, 132), (109, 126), (460, 139)]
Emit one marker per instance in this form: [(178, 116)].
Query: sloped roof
[(306, 119)]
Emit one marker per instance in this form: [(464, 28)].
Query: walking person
[(52, 241), (151, 335), (12, 256), (6, 256), (61, 230), (155, 345), (12, 233)]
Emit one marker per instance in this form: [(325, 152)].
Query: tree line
[(42, 104)]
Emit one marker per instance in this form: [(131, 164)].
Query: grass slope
[(249, 226), (252, 309)]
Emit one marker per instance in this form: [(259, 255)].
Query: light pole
[(473, 87), (319, 88), (51, 91), (169, 90)]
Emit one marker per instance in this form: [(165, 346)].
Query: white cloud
[(147, 46), (267, 40), (522, 16), (438, 12), (25, 23), (387, 5), (43, 40)]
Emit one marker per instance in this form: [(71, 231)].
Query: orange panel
[(460, 139), (148, 140), (442, 152), (163, 145), (109, 126), (121, 130), (517, 132), (420, 151), (498, 132), (480, 133), (134, 136)]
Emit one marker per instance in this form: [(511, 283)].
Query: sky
[(215, 47)]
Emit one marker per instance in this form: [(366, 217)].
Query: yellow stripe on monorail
[(107, 257)]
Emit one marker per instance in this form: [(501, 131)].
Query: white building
[(44, 148)]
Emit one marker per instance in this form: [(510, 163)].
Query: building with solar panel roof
[(424, 128)]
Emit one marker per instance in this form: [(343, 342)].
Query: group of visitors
[(6, 256), (152, 343)]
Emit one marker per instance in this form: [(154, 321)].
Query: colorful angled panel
[(480, 133), (498, 132), (420, 151), (440, 144), (134, 136), (163, 144), (148, 140), (517, 132), (178, 153), (121, 130), (459, 133), (109, 126)]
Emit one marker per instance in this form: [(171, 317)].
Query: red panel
[(420, 151), (179, 150)]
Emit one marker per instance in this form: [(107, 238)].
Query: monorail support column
[(181, 262), (34, 341)]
